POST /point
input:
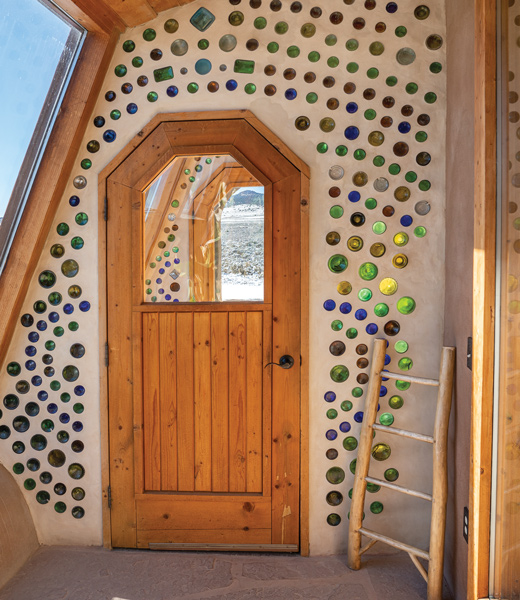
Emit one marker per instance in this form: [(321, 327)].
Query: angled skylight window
[(39, 45)]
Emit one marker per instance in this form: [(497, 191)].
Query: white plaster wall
[(423, 278)]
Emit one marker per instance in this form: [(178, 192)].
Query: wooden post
[(363, 460), (440, 475)]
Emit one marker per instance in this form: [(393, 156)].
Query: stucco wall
[(459, 275), (363, 79)]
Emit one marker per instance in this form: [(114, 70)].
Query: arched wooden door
[(204, 438)]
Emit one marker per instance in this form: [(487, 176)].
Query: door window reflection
[(204, 232)]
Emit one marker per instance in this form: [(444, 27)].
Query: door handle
[(286, 362)]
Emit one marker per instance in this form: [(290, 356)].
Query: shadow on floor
[(71, 573)]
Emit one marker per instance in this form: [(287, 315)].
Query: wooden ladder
[(435, 556)]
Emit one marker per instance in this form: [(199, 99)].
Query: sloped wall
[(357, 90), (18, 539)]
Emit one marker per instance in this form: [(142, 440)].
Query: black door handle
[(286, 362)]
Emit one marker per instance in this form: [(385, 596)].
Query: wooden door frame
[(139, 139), (484, 272)]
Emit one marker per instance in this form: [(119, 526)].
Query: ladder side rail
[(440, 474), (363, 457)]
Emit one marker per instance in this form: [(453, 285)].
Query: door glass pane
[(204, 232)]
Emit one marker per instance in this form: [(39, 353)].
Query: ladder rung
[(404, 433), (396, 544), (409, 378), (420, 568), (399, 488), (367, 547)]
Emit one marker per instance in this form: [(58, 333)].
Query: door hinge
[(105, 209), (465, 524), (109, 496), (106, 354)]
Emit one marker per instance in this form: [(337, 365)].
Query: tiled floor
[(70, 573)]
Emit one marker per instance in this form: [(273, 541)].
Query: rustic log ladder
[(435, 555)]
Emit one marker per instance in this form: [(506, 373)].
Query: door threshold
[(226, 547)]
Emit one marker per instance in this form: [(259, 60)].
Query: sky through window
[(32, 40)]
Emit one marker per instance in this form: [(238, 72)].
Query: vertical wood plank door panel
[(169, 451), (202, 401), (203, 412), (237, 401), (219, 402), (185, 403), (254, 394), (214, 457), (151, 403)]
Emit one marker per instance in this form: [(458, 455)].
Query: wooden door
[(204, 439)]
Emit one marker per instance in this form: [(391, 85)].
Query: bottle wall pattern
[(357, 89)]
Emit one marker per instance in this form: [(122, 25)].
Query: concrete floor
[(70, 573)]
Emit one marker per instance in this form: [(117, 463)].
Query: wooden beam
[(132, 12), (51, 179), (160, 5), (483, 297), (94, 15)]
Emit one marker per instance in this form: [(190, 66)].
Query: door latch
[(286, 362)]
